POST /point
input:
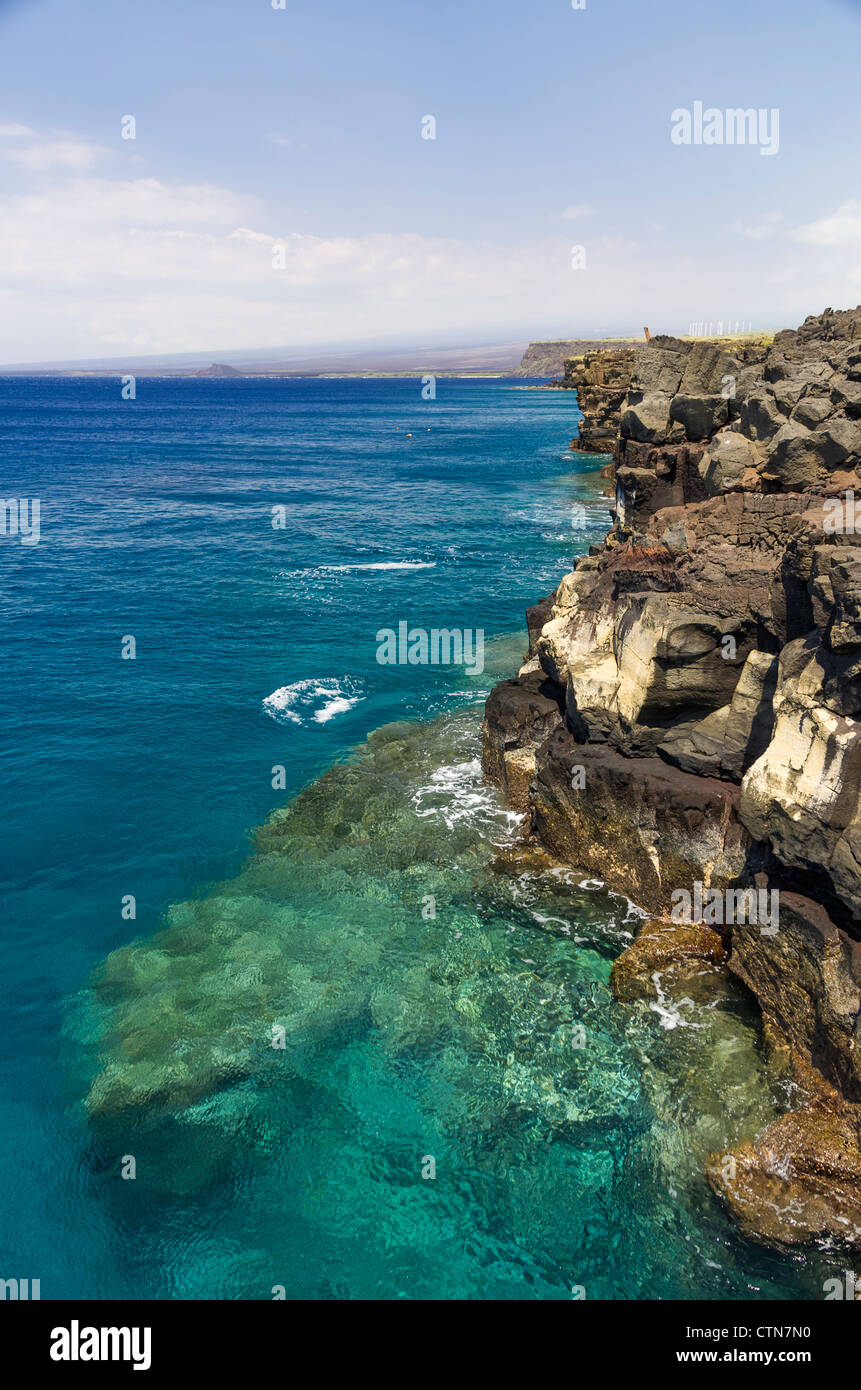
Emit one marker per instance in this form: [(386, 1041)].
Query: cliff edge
[(551, 358), (687, 726)]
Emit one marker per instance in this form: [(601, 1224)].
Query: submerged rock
[(799, 1181), (379, 902), (665, 954)]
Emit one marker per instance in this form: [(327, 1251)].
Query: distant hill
[(349, 359), (548, 359), (218, 369)]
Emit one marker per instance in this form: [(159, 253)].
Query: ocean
[(287, 1008)]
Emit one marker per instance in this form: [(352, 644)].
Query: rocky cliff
[(601, 380), (687, 723), (550, 358)]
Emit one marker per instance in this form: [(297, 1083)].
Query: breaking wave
[(313, 701)]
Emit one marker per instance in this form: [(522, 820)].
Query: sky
[(294, 135)]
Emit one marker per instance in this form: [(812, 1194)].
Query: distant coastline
[(537, 359), (402, 375)]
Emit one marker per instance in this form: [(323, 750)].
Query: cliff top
[(548, 358)]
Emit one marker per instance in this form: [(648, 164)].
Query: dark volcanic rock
[(642, 826), (601, 380), (728, 742), (807, 978), (519, 715), (536, 617), (708, 662)]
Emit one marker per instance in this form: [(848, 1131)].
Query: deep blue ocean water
[(256, 648)]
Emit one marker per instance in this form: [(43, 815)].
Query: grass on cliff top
[(725, 340), (732, 339)]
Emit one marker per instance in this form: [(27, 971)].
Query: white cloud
[(759, 231), (97, 266), (841, 228), (41, 152), (575, 210), (139, 264), (51, 154)]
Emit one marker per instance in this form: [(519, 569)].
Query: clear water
[(412, 1032)]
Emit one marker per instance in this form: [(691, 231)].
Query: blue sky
[(301, 127)]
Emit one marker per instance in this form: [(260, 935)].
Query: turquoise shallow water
[(475, 1030)]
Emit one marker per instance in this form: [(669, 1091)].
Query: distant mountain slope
[(480, 358), (218, 369)]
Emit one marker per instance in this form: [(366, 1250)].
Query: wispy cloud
[(42, 152), (841, 228), (759, 231), (154, 265), (55, 154)]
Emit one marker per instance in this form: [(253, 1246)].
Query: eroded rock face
[(638, 823), (803, 794), (536, 617), (601, 380), (807, 978), (708, 664), (727, 742), (786, 419), (730, 463), (519, 715)]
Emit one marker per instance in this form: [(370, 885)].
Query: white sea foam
[(669, 1011), (313, 701), (321, 571), (566, 926), (340, 705), (458, 793), (563, 923), (389, 565)]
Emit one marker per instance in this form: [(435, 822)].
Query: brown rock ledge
[(669, 950), (800, 1180)]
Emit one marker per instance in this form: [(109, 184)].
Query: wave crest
[(313, 701)]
